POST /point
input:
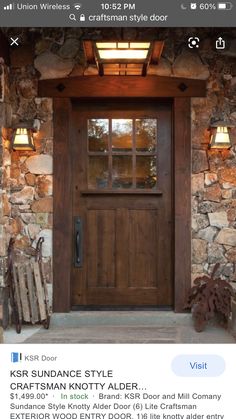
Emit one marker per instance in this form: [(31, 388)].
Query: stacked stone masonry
[(27, 177)]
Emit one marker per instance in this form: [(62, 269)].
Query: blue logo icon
[(16, 357)]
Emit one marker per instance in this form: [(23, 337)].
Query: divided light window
[(122, 153)]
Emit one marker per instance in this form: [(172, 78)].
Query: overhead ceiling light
[(123, 51), (123, 58)]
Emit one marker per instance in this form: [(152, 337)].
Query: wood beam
[(182, 193), (86, 87), (156, 51), (89, 52), (62, 223)]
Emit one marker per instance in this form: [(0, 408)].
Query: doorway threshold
[(124, 327), (121, 308)]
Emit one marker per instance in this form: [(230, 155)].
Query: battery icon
[(225, 6)]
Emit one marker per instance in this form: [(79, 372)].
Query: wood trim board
[(182, 200), (85, 87), (62, 223)]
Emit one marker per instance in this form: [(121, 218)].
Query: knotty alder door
[(122, 231)]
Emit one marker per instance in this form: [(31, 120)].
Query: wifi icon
[(77, 6)]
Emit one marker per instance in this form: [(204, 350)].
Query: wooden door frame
[(62, 90)]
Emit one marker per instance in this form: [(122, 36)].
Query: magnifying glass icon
[(72, 16)]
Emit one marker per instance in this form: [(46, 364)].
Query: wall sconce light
[(22, 138), (123, 58), (220, 135)]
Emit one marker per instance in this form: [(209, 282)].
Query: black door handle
[(77, 247), (78, 242)]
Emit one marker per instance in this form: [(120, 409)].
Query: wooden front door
[(122, 206)]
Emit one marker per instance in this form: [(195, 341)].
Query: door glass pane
[(98, 172), (98, 134), (122, 134), (146, 172), (146, 134), (122, 172), (131, 159)]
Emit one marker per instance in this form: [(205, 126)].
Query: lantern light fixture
[(123, 58), (23, 135), (220, 135)]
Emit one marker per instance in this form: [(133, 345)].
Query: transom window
[(122, 153)]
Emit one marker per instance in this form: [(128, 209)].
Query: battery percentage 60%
[(207, 6)]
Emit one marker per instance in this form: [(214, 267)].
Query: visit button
[(198, 365)]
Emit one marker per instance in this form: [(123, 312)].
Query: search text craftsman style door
[(122, 210)]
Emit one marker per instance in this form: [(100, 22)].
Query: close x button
[(15, 41)]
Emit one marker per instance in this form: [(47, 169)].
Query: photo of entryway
[(118, 154)]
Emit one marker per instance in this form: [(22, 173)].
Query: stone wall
[(214, 171), (5, 116), (50, 53), (28, 175), (26, 197)]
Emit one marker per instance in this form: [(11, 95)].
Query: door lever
[(78, 242)]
